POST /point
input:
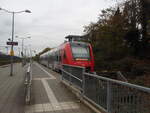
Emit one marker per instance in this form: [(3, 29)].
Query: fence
[(28, 83), (73, 75), (111, 96)]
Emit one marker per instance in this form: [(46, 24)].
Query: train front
[(82, 55)]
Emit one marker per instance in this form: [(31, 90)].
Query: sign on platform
[(12, 43)]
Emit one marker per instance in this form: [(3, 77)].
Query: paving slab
[(39, 95)]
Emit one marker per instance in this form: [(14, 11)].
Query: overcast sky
[(50, 20)]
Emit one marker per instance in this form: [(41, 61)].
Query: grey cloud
[(50, 20)]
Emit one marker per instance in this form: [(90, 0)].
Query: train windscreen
[(80, 51)]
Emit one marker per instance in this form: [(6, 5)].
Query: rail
[(111, 96), (28, 83)]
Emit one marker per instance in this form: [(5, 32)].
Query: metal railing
[(73, 75), (111, 96), (116, 96), (28, 83)]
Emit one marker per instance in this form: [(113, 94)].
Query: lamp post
[(19, 51), (22, 51), (22, 38), (6, 50), (13, 13), (30, 50)]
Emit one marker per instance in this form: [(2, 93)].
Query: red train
[(72, 53)]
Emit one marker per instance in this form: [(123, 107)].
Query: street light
[(22, 52), (13, 13), (23, 38), (6, 50)]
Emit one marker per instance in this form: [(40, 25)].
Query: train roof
[(50, 51), (75, 38)]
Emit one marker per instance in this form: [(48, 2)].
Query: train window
[(81, 52), (59, 56), (64, 54)]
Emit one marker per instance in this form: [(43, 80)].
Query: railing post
[(28, 83), (70, 70), (83, 81), (108, 97), (62, 67)]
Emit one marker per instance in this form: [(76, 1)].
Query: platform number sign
[(12, 43)]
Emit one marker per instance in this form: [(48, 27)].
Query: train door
[(64, 57), (57, 60)]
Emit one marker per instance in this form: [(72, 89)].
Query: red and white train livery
[(72, 53)]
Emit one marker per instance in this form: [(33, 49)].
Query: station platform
[(12, 89), (49, 95)]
